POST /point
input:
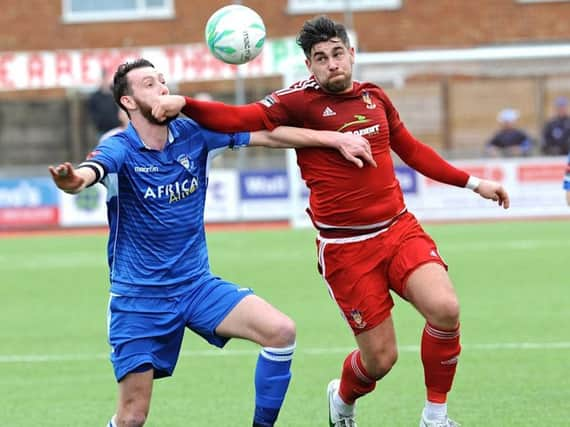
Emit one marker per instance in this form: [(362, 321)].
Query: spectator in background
[(102, 107), (556, 132), (123, 124), (509, 141)]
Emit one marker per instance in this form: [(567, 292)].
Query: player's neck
[(348, 89), (152, 135)]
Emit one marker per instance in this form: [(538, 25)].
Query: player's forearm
[(292, 137), (225, 118), (568, 198), (426, 160), (87, 176)]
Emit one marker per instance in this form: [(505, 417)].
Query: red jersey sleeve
[(226, 118), (286, 107), (283, 107), (425, 159)]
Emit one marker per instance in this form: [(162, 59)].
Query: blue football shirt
[(566, 182), (155, 207)]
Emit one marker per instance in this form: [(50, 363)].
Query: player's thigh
[(414, 248), (219, 310), (135, 392), (431, 291), (255, 319), (419, 274), (355, 275), (207, 304)]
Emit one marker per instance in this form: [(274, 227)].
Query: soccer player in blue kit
[(155, 173)]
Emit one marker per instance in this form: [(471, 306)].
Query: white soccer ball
[(235, 34)]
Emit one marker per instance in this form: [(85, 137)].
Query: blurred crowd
[(511, 140)]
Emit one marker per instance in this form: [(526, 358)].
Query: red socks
[(354, 381), (440, 351)]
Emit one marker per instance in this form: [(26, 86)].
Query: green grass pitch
[(512, 280)]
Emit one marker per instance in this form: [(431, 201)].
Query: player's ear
[(128, 102)]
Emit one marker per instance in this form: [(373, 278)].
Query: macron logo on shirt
[(146, 169)]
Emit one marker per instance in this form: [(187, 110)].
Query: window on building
[(116, 10), (321, 6)]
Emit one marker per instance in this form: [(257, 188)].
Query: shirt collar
[(133, 134)]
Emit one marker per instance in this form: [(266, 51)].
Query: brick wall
[(37, 24), (452, 121)]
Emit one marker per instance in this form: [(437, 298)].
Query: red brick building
[(42, 124)]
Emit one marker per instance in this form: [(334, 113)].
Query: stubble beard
[(146, 111), (338, 85)]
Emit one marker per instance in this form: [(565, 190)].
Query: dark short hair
[(121, 85), (320, 29)]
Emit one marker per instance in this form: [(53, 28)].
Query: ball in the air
[(235, 34)]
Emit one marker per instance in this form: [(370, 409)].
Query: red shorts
[(360, 271)]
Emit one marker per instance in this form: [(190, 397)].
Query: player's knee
[(447, 314), (284, 334), (382, 362)]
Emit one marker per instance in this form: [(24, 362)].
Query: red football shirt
[(342, 195)]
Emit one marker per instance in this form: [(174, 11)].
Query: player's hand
[(168, 106), (66, 179), (355, 149), (494, 191)]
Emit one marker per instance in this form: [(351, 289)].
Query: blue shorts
[(149, 331)]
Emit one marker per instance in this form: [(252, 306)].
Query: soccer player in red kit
[(368, 243)]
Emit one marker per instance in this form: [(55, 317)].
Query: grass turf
[(514, 369)]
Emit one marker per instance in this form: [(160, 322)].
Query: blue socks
[(272, 377)]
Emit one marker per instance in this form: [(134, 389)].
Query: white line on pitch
[(41, 358)]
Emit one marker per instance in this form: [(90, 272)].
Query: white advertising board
[(534, 186), (86, 209), (222, 196)]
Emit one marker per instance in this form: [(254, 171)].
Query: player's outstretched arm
[(354, 148), (213, 115), (69, 179), (490, 190)]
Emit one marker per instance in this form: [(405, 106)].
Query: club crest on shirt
[(368, 100), (357, 318), (186, 162)]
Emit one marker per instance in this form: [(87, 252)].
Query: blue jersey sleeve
[(215, 141), (108, 156), (566, 182)]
